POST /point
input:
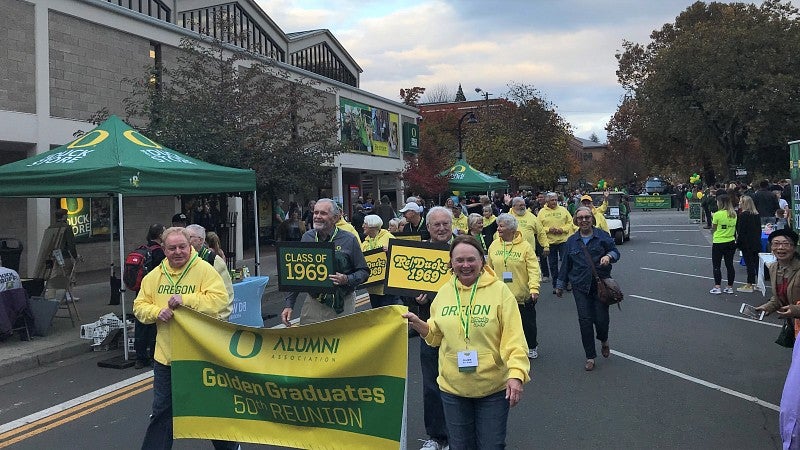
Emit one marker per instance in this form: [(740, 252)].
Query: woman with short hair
[(376, 237), (475, 229)]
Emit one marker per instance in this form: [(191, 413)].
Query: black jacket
[(748, 232)]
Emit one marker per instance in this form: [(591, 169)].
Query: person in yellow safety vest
[(527, 224), (557, 223), (598, 212)]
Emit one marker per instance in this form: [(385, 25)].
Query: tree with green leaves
[(228, 107), (523, 139), (719, 86)]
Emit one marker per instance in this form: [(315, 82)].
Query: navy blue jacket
[(576, 270)]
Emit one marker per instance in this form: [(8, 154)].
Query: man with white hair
[(557, 223), (350, 270), (197, 237)]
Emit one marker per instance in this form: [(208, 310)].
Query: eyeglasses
[(582, 218), (782, 244)]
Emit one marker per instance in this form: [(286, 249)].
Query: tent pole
[(122, 264), (258, 249)]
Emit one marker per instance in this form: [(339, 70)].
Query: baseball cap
[(411, 206), (586, 197), (180, 217)]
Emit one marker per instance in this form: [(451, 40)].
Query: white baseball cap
[(411, 206)]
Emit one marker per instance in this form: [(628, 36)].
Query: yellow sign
[(416, 267), (408, 236), (338, 383), (376, 261)]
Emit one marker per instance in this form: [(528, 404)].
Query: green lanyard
[(506, 253), (465, 319), (372, 242), (186, 269), (483, 243), (330, 239)]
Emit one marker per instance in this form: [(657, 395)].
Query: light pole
[(471, 119)]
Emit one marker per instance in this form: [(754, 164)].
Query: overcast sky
[(564, 48)]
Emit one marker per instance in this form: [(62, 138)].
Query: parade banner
[(335, 384), (652, 201), (416, 267), (376, 261), (305, 266)]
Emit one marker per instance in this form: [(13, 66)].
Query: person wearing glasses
[(785, 294), (592, 313)]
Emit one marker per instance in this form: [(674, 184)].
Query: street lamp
[(471, 118)]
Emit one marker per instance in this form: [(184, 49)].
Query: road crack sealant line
[(46, 419)]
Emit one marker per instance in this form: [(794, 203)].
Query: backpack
[(137, 264)]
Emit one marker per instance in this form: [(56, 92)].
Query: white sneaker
[(533, 353), (715, 291), (432, 444), (746, 288), (728, 290), (545, 279)]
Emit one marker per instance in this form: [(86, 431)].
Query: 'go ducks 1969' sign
[(305, 266)]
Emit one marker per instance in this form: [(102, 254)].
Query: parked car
[(617, 215), (656, 185)]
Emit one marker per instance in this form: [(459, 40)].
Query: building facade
[(61, 61)]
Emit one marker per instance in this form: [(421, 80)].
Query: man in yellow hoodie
[(527, 224), (557, 222), (182, 279), (598, 212)]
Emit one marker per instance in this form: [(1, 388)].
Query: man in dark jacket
[(766, 203)]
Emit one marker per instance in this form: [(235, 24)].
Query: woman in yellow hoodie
[(514, 258), (483, 364)]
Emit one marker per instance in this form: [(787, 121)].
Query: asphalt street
[(686, 369)]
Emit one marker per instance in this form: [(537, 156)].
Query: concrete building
[(63, 60)]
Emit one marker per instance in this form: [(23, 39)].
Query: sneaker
[(433, 444), (545, 279), (715, 291), (533, 353), (728, 290), (746, 288)]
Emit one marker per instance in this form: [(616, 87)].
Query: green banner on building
[(652, 201), (411, 138), (794, 173)]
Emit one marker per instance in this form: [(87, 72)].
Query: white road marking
[(730, 316), (659, 225), (692, 275), (669, 231), (682, 256), (685, 245), (705, 383), (74, 402)]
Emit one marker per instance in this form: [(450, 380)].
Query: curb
[(53, 354)]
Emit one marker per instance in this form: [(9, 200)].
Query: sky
[(563, 48)]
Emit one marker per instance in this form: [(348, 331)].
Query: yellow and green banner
[(305, 266), (339, 383), (652, 201), (376, 261)]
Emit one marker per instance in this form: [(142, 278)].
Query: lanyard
[(185, 269), (330, 239), (421, 223), (506, 253), (372, 242), (483, 243), (465, 319)]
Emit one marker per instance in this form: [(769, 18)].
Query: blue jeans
[(557, 251), (592, 317), (431, 396), (159, 431), (476, 423)]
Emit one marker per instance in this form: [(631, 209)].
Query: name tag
[(507, 277), (467, 360)]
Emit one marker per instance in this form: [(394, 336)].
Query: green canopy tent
[(115, 159), (465, 178)]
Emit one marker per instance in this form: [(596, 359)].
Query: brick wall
[(87, 65), (17, 65)]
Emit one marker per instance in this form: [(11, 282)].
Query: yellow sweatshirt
[(379, 241), (559, 218), (461, 224), (519, 258), (201, 289), (344, 225), (600, 219), (531, 229), (495, 332)]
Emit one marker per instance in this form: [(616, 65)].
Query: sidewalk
[(63, 340)]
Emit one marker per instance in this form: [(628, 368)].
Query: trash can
[(11, 251)]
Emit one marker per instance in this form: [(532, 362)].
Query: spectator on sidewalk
[(766, 203), (748, 240), (144, 343)]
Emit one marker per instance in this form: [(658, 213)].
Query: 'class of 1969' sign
[(416, 267), (305, 266)]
